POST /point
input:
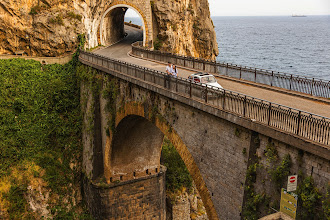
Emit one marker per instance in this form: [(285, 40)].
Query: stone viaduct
[(125, 120)]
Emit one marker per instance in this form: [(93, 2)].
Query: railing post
[(244, 110), (240, 72), (204, 67), (224, 100), (291, 82), (205, 94), (165, 81), (312, 87), (190, 89), (298, 123), (255, 74), (144, 74), (227, 69), (176, 86), (269, 113), (271, 82)]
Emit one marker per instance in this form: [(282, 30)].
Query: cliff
[(184, 27), (50, 28)]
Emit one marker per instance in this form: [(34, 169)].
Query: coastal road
[(121, 51)]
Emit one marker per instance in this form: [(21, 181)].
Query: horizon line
[(257, 15)]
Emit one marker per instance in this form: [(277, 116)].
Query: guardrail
[(297, 122), (315, 87)]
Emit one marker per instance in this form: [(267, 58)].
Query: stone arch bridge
[(128, 110)]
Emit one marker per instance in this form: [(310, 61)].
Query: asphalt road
[(121, 51)]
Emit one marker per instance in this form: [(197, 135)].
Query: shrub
[(35, 10), (57, 20), (177, 175), (74, 16), (310, 202), (158, 44)]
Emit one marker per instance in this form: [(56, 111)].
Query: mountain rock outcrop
[(50, 28), (39, 27), (184, 27)]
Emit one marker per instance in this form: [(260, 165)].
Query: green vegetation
[(152, 3), (72, 15), (158, 44), (40, 137), (174, 27), (177, 175), (271, 153), (281, 172), (310, 201), (277, 172), (35, 10), (57, 20), (253, 199), (110, 93)]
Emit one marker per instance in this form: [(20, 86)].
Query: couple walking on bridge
[(171, 70)]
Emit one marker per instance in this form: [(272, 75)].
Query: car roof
[(201, 74)]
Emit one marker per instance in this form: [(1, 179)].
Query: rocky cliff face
[(49, 29), (184, 27)]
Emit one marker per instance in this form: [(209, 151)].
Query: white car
[(205, 79)]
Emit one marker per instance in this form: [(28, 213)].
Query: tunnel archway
[(136, 144), (112, 24)]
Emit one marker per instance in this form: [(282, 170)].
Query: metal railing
[(297, 122), (315, 87)]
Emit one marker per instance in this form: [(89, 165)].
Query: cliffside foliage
[(310, 201), (40, 143), (177, 175), (253, 199)]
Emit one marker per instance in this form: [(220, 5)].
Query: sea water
[(294, 45)]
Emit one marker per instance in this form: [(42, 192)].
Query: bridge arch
[(112, 23), (132, 118)]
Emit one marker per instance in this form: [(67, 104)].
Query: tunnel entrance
[(113, 28)]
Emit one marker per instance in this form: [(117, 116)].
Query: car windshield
[(208, 79)]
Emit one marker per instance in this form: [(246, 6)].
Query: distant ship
[(299, 16)]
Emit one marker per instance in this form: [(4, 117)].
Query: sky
[(264, 7)]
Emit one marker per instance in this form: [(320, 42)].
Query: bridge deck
[(120, 51)]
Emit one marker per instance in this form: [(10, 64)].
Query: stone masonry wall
[(304, 164), (221, 150), (216, 148), (142, 198)]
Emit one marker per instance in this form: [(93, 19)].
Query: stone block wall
[(142, 198), (215, 145)]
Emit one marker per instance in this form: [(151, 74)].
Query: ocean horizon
[(282, 43)]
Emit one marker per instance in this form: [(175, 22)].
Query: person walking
[(174, 71), (169, 70)]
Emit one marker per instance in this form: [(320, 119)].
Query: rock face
[(185, 206), (184, 27), (49, 29)]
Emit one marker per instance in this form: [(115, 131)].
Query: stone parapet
[(142, 198)]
